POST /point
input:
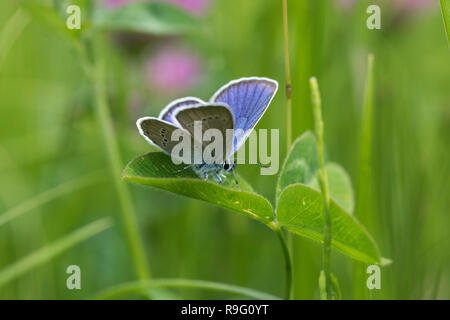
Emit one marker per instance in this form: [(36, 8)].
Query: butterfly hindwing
[(167, 114), (211, 116), (248, 99)]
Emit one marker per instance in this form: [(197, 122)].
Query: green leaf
[(156, 169), (340, 186), (300, 210), (301, 166), (146, 17), (50, 251), (301, 163), (445, 6)]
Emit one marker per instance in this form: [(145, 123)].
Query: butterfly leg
[(218, 177), (235, 179)]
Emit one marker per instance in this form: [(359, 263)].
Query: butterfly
[(236, 106)]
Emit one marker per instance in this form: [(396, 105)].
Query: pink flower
[(117, 3), (196, 7), (345, 4), (173, 70), (413, 5)]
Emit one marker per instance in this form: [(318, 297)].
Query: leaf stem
[(127, 209), (288, 263), (323, 181), (137, 286), (287, 66)]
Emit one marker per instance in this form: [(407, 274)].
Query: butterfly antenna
[(248, 162)]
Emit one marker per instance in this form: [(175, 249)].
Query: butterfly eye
[(226, 166)]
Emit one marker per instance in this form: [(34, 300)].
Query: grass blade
[(138, 286), (50, 251), (364, 205), (11, 32), (445, 6), (48, 196), (104, 118)]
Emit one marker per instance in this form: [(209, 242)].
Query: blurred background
[(50, 138)]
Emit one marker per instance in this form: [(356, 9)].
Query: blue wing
[(248, 99), (167, 114)]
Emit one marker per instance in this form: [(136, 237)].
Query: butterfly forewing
[(248, 98), (218, 117)]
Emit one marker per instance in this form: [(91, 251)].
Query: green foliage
[(300, 211), (299, 207), (156, 170), (301, 166), (152, 18)]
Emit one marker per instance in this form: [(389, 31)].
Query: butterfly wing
[(248, 99), (158, 132), (167, 114), (211, 116)]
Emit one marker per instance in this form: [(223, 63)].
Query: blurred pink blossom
[(196, 7), (173, 70), (413, 5), (116, 3)]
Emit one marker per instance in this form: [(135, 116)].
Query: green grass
[(388, 128)]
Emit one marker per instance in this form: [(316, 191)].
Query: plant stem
[(287, 260), (287, 66), (323, 181), (364, 203), (137, 286), (127, 209)]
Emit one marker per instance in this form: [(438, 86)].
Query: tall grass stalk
[(49, 195), (445, 7), (287, 66), (129, 220), (50, 251), (307, 49), (364, 203), (323, 181)]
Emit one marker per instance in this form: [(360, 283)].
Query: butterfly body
[(237, 106)]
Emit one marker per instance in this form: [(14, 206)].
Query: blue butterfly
[(238, 105)]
